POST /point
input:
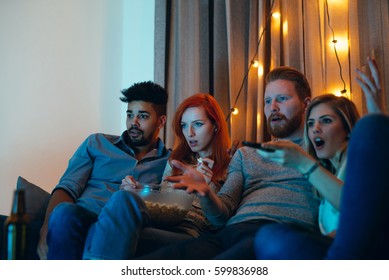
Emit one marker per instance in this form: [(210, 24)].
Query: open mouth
[(192, 143), (319, 142), (135, 132), (276, 118)]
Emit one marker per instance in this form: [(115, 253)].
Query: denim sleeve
[(78, 172)]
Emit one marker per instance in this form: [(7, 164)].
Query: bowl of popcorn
[(166, 205)]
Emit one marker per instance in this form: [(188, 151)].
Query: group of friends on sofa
[(317, 190)]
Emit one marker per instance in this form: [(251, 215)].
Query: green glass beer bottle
[(15, 229)]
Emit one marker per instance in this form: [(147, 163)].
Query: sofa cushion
[(37, 199)]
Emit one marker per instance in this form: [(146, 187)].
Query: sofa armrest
[(37, 199)]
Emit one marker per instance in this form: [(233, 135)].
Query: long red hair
[(220, 142)]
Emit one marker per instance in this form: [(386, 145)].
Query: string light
[(334, 42), (339, 92), (341, 44), (276, 15), (234, 111), (251, 62), (255, 63)]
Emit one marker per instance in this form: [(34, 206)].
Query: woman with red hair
[(201, 139), (201, 132)]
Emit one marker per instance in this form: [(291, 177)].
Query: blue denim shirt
[(98, 166)]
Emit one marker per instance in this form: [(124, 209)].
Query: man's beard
[(286, 129), (136, 142)]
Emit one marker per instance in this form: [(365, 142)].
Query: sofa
[(37, 200)]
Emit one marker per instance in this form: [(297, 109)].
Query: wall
[(62, 66)]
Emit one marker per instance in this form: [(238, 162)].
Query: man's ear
[(162, 121), (307, 101)]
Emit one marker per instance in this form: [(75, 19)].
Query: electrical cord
[(252, 60)]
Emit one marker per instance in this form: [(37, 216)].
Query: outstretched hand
[(371, 87), (191, 180)]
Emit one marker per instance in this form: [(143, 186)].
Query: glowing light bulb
[(338, 94), (255, 63), (341, 44), (234, 111), (276, 15)]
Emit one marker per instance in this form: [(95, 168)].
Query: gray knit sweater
[(257, 188)]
